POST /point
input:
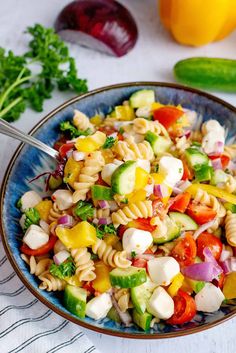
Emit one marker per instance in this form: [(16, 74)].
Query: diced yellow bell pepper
[(73, 280), (91, 143), (96, 120), (111, 239), (212, 190), (72, 171), (136, 196), (160, 179), (141, 178), (229, 288), (82, 234), (124, 113), (156, 105), (108, 155), (186, 287), (43, 208), (102, 281), (176, 284)]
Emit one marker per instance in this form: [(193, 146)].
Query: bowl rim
[(4, 235)]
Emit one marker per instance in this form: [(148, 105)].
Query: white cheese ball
[(30, 199), (163, 269), (98, 307), (161, 305), (136, 240), (172, 168), (107, 172), (145, 164), (63, 199), (209, 299), (35, 237)]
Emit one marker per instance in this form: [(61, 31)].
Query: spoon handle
[(9, 130)]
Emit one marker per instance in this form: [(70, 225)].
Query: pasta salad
[(141, 222)]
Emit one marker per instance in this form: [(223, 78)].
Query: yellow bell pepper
[(229, 288), (111, 239), (102, 281), (212, 190), (123, 113), (82, 234), (72, 171), (176, 284), (73, 280), (186, 287), (136, 196), (96, 120), (156, 105), (160, 179), (198, 22), (91, 143), (43, 208), (141, 178)]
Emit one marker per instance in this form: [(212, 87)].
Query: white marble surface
[(152, 59)]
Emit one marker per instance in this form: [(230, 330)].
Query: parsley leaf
[(109, 142), (105, 229), (21, 86), (66, 269), (32, 217), (66, 126), (84, 210), (133, 254)]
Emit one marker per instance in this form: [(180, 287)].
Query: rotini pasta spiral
[(140, 209), (81, 121), (55, 213), (129, 150), (122, 297), (230, 184), (37, 267), (142, 126), (230, 228), (84, 265), (181, 144), (101, 212), (230, 151), (88, 176), (51, 283), (110, 256)]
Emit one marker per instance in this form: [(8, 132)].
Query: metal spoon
[(9, 130)]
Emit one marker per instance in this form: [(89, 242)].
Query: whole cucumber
[(209, 73)]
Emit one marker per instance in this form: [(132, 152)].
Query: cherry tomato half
[(180, 202), (141, 263), (65, 148), (167, 116), (208, 240), (185, 250), (200, 213), (40, 251), (185, 309)]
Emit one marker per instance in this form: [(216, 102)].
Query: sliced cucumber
[(142, 98), (230, 206), (100, 192), (141, 294), (113, 315), (142, 320), (173, 232), (160, 144), (219, 176), (75, 300), (195, 157), (128, 277), (183, 220), (123, 178), (203, 172)]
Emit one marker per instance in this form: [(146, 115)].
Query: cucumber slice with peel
[(141, 294), (123, 178), (128, 277), (100, 192), (173, 232), (184, 221), (142, 320), (160, 144), (142, 98), (75, 300), (195, 157)]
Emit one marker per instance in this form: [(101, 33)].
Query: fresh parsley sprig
[(66, 269), (84, 210), (105, 229), (109, 142), (66, 126)]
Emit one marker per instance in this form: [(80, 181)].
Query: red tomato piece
[(185, 250), (65, 148), (89, 287), (188, 173), (121, 229), (109, 130), (224, 161), (208, 240), (142, 263), (180, 202), (144, 224), (40, 251), (185, 309), (100, 181), (59, 143), (200, 213), (167, 116)]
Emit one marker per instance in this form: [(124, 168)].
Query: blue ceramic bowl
[(28, 162)]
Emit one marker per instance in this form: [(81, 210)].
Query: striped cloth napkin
[(27, 326)]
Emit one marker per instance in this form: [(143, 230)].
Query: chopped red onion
[(104, 220), (204, 271), (78, 156), (149, 189), (95, 220), (44, 225), (225, 254), (161, 190), (66, 221), (177, 190), (113, 206), (183, 185), (186, 133), (232, 165), (202, 228), (103, 204), (145, 256), (114, 135), (61, 256), (229, 265), (216, 164), (69, 153), (210, 258)]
